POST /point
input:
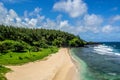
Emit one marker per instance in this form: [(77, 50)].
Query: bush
[(37, 43), (15, 46), (3, 49), (75, 42), (35, 49), (40, 44), (57, 43), (53, 49), (18, 47), (5, 46)]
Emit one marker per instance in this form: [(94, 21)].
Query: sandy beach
[(58, 66)]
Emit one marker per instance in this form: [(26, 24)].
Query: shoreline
[(82, 67), (79, 65), (58, 66)]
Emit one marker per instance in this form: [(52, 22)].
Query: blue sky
[(93, 20)]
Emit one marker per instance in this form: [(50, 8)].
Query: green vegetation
[(20, 58), (14, 46), (40, 37), (3, 70), (22, 45)]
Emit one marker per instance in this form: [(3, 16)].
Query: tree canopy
[(42, 38)]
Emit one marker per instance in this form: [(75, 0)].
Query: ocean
[(98, 62)]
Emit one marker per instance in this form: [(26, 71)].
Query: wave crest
[(105, 50)]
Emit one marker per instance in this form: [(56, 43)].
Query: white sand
[(59, 66)]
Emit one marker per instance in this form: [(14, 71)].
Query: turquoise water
[(82, 67), (98, 62)]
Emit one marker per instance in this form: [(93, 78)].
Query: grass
[(3, 70), (15, 58)]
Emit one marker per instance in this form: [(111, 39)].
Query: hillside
[(40, 37)]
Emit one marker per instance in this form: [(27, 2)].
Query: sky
[(92, 20)]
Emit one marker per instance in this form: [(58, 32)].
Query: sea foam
[(105, 50)]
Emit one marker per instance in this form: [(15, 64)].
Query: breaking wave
[(105, 50)]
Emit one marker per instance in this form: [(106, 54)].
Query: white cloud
[(77, 8), (107, 29), (35, 12), (116, 18), (12, 14), (74, 8), (49, 24), (32, 22), (92, 22), (2, 9), (25, 13), (18, 19), (66, 26), (59, 18), (34, 19), (10, 17), (64, 23), (3, 12)]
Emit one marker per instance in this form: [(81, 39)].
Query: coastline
[(59, 66), (82, 67)]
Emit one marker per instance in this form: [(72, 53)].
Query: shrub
[(18, 47), (75, 42), (3, 49), (57, 43), (40, 44), (21, 46), (11, 45), (35, 49), (53, 49), (5, 46), (37, 43)]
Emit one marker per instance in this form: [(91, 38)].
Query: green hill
[(40, 37)]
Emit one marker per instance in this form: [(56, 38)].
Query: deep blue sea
[(102, 61)]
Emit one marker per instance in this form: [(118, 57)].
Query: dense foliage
[(14, 46), (40, 37), (3, 70)]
